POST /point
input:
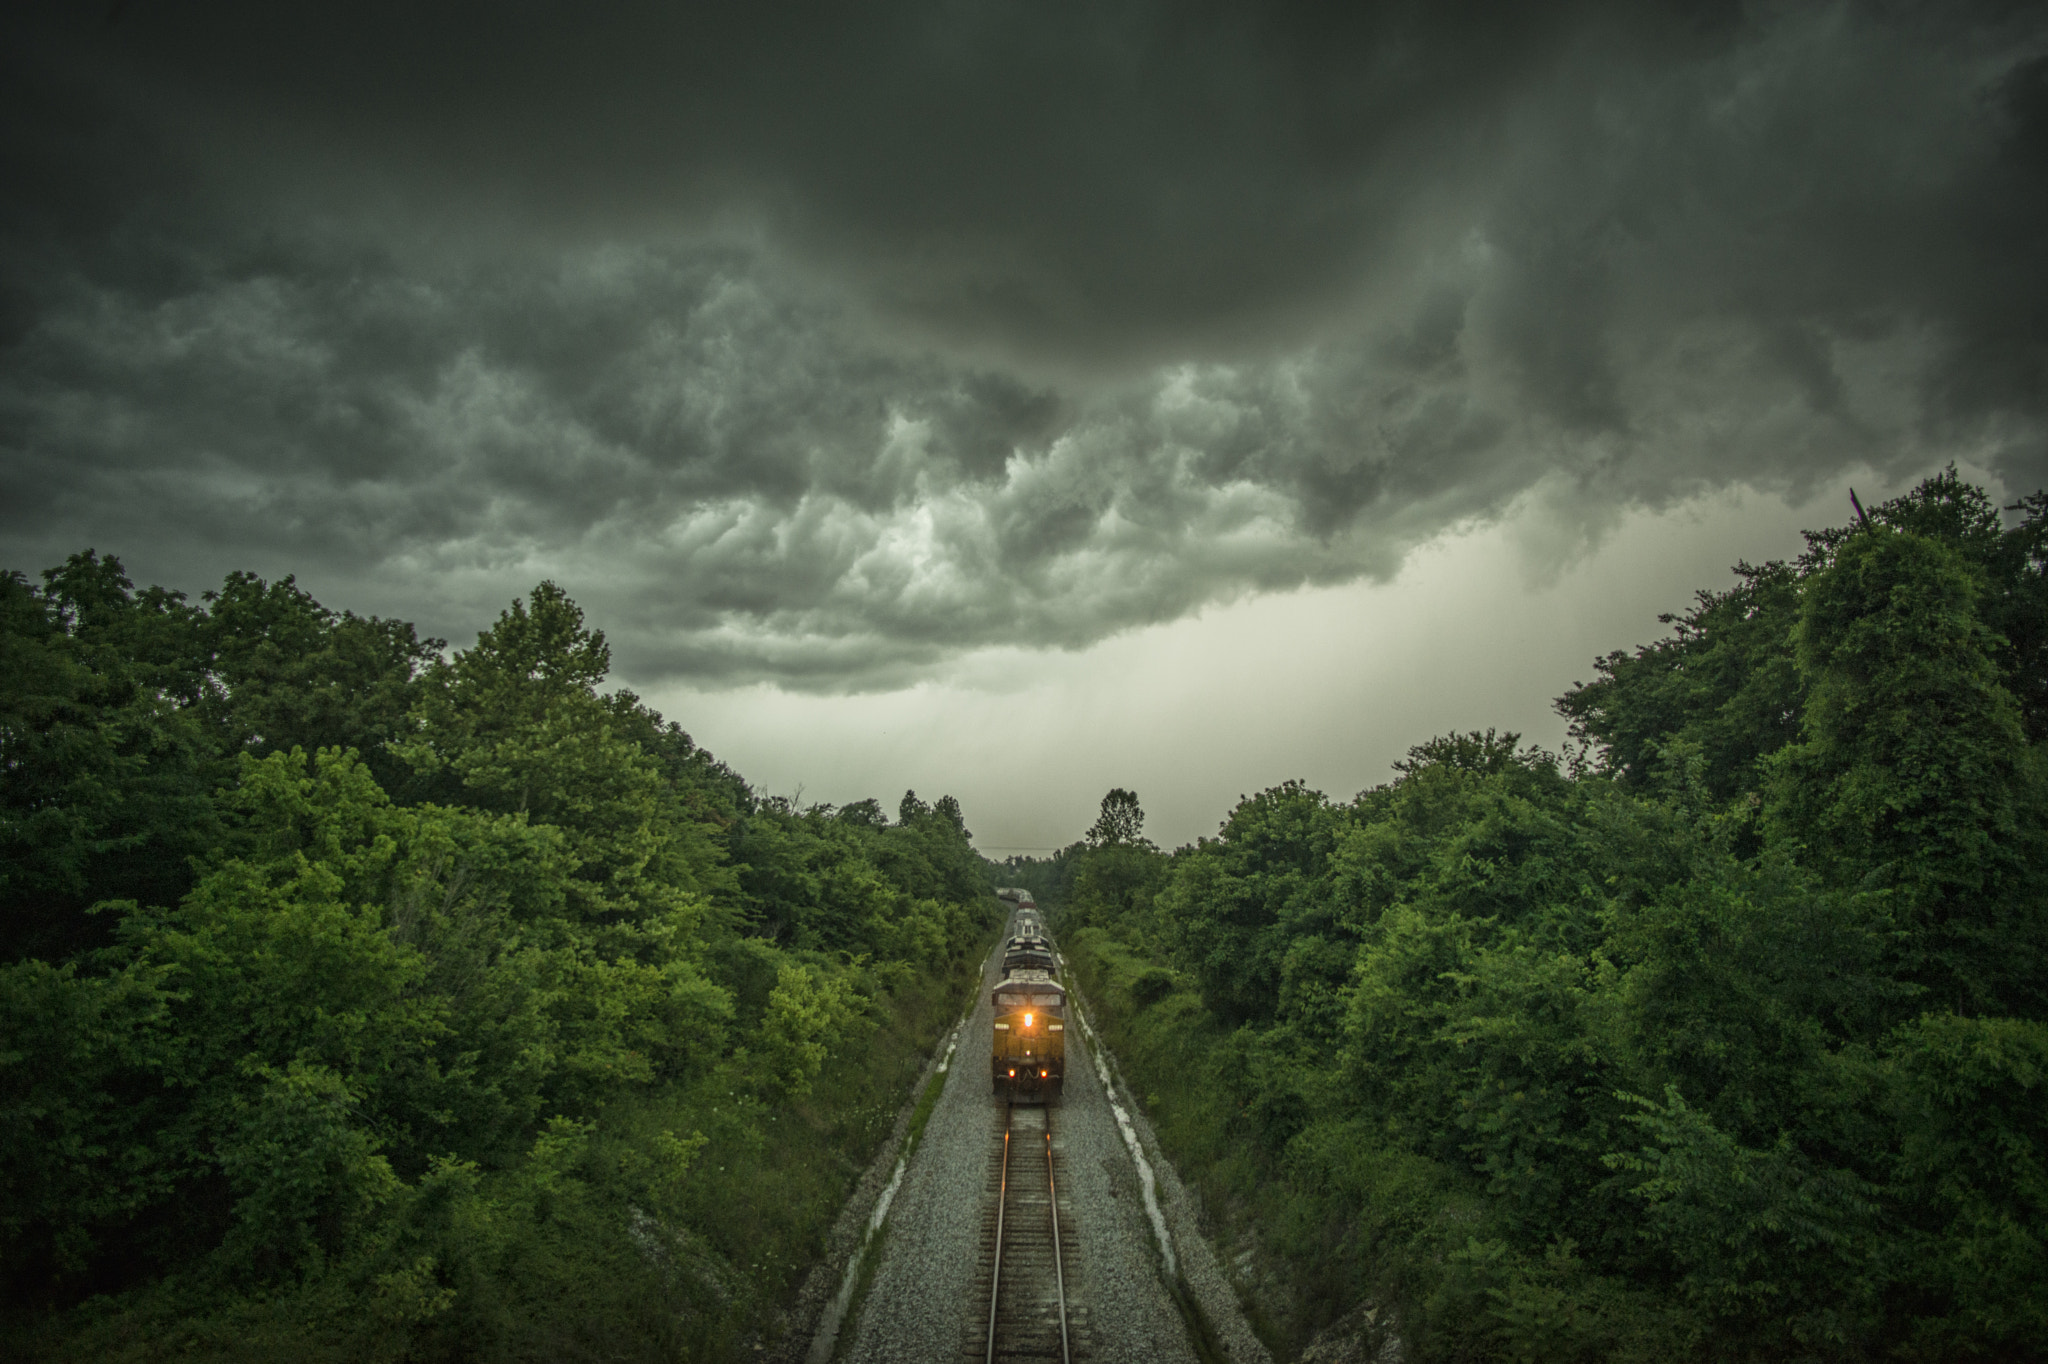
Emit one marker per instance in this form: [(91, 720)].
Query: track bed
[(1026, 1251)]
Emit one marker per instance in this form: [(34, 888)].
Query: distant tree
[(1113, 886), (1236, 903), (1483, 754), (866, 813), (1122, 820), (910, 809)]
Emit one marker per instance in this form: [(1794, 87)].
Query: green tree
[(1723, 686), (289, 673), (1237, 902), (1910, 776), (1122, 820), (514, 724), (1726, 683), (108, 789)]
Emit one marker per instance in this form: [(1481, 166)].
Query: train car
[(1029, 1060), (1034, 954)]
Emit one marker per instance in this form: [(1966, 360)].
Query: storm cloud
[(821, 344)]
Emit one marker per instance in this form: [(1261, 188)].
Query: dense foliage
[(1727, 1040), (361, 1002)]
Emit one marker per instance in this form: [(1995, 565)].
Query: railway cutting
[(1019, 1232)]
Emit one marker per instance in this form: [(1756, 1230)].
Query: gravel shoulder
[(1201, 1273), (922, 1305)]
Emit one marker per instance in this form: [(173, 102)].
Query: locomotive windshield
[(1018, 999)]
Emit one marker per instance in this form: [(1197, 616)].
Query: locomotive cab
[(1029, 1059)]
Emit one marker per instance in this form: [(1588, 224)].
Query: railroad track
[(1025, 1253)]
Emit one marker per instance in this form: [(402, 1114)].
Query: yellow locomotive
[(1029, 1055)]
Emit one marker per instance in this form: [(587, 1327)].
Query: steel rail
[(1003, 1228), (1059, 1269), (995, 1285)]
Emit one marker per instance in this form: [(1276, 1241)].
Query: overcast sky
[(1017, 399)]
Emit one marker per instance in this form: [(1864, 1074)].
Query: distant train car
[(1029, 954), (1029, 1059)]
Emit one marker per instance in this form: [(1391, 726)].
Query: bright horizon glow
[(1482, 627)]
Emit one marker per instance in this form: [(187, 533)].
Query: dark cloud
[(819, 344)]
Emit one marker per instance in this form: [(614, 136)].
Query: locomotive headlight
[(1027, 1020)]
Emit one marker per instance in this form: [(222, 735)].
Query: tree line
[(1723, 1036), (361, 999)]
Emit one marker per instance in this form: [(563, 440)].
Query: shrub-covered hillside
[(1726, 1041), (358, 1003)]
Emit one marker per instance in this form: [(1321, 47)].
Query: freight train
[(1028, 1058)]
